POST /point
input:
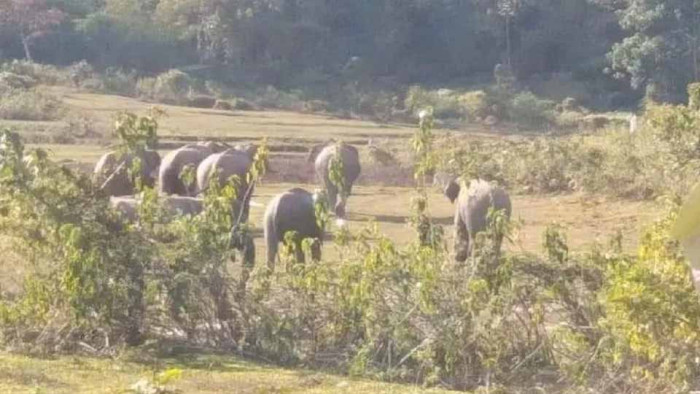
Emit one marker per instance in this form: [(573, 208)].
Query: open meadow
[(383, 197), (384, 193), (287, 196)]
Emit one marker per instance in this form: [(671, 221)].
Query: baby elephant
[(471, 213), (128, 206), (292, 210)]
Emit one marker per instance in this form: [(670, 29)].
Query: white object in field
[(256, 204), (341, 223), (691, 247), (633, 123)]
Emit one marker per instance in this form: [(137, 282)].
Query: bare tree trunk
[(508, 49), (27, 52), (694, 43)]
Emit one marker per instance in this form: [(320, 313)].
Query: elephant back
[(151, 160), (475, 201), (349, 156), (127, 206), (293, 210), (228, 163), (181, 205), (105, 166)]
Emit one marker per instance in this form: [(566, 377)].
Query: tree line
[(650, 46)]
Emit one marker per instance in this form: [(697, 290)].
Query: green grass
[(200, 374), (194, 122)]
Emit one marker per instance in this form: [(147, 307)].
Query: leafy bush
[(475, 104), (445, 103), (20, 104), (73, 236), (172, 86), (526, 109), (598, 321), (116, 81), (41, 73)]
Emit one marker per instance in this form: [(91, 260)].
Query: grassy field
[(200, 374), (586, 219)]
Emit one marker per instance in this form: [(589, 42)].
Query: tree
[(661, 52), (30, 19)]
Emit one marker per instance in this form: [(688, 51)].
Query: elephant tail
[(271, 241), (168, 178)]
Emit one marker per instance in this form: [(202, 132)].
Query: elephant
[(471, 212), (128, 206), (228, 163), (316, 149), (350, 159), (292, 210), (443, 180), (243, 242), (169, 181), (112, 171)]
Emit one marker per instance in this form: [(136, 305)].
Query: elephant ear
[(313, 152), (452, 190)]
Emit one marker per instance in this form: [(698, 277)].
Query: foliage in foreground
[(601, 320)]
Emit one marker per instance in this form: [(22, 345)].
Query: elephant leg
[(299, 251), (461, 239), (248, 252), (332, 192), (271, 244), (316, 250)]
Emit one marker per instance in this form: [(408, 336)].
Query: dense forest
[(613, 50)]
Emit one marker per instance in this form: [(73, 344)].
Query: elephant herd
[(184, 174)]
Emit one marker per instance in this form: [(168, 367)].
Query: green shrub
[(599, 321), (528, 110), (80, 72), (445, 103), (569, 119), (570, 104), (145, 87), (116, 81), (30, 105), (10, 80), (475, 105), (41, 73), (694, 96), (172, 87)]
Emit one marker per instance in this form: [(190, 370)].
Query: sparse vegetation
[(395, 312), (32, 104), (533, 94)]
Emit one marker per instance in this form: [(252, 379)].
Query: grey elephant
[(128, 206), (111, 172), (350, 159), (471, 212), (228, 163), (173, 164), (293, 210)]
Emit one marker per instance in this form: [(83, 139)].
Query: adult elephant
[(227, 164), (350, 159), (111, 172), (169, 175), (471, 212), (292, 210)]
